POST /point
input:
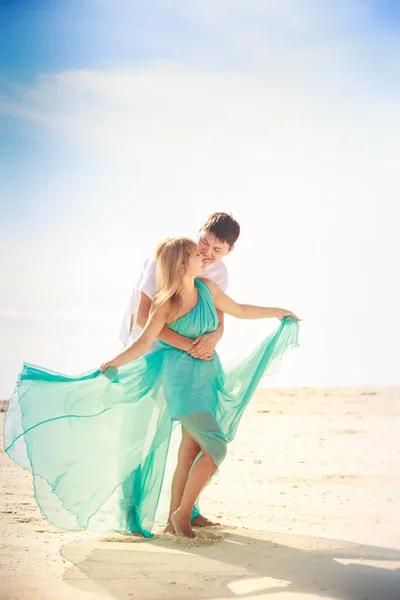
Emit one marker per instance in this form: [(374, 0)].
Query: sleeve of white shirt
[(148, 282), (222, 279), (131, 310)]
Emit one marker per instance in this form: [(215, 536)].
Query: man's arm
[(204, 346), (221, 324), (166, 335)]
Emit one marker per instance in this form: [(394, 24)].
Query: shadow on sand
[(244, 564)]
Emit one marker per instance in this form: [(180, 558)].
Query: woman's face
[(195, 266)]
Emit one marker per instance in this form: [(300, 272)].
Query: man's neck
[(213, 264)]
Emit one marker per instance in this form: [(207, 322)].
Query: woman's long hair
[(172, 256)]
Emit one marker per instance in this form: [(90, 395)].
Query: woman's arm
[(137, 348), (245, 311), (165, 334)]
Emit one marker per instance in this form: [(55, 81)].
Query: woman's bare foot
[(182, 527), (201, 521), (169, 528)]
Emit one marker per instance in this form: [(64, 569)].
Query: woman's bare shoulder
[(213, 286), (161, 311)]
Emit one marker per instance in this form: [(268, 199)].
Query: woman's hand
[(112, 363), (281, 313)]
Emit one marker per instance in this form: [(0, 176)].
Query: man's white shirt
[(218, 273)]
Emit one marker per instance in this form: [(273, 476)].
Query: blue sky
[(51, 35), (122, 122), (54, 35), (59, 36)]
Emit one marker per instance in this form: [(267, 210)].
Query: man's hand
[(203, 347)]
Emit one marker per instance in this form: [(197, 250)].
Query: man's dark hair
[(223, 226)]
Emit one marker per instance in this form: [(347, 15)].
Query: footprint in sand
[(203, 537), (347, 432), (124, 538), (340, 477)]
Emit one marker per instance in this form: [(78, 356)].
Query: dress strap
[(203, 288)]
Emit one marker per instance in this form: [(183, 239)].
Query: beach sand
[(309, 500)]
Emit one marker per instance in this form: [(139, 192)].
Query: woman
[(66, 429)]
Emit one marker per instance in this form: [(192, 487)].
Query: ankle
[(184, 515)]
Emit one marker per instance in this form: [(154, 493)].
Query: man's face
[(212, 248)]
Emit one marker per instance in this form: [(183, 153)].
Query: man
[(217, 238)]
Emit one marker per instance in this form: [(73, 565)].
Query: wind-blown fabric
[(82, 437)]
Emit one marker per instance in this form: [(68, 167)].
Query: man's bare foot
[(138, 534), (201, 521), (169, 528), (182, 527), (129, 521)]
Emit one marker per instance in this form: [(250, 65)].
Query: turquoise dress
[(81, 437)]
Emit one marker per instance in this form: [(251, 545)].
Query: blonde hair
[(172, 254)]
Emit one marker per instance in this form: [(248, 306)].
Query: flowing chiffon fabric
[(83, 437)]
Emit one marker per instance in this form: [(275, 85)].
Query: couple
[(69, 431), (216, 239)]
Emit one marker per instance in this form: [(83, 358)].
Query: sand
[(308, 498)]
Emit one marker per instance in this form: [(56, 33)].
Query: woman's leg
[(188, 450), (205, 432), (199, 475)]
